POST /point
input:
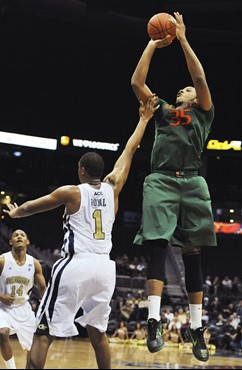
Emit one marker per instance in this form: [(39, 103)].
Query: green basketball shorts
[(177, 209)]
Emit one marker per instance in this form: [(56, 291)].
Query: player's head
[(186, 94), (19, 240), (90, 166)]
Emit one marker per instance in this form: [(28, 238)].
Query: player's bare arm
[(194, 66), (39, 277), (2, 261), (6, 299), (65, 195), (119, 175), (138, 80)]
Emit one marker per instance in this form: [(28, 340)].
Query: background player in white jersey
[(85, 276), (18, 272)]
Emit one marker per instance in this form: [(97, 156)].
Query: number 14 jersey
[(17, 280), (89, 230)]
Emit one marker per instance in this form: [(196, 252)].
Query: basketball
[(161, 25)]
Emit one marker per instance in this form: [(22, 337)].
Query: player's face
[(19, 240), (186, 94)]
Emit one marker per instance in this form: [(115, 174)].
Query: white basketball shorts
[(84, 280), (21, 321)]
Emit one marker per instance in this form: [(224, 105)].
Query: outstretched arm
[(194, 66), (53, 200), (119, 175), (138, 81)]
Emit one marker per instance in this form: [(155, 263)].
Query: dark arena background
[(65, 74)]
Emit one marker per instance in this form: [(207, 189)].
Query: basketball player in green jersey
[(176, 201)]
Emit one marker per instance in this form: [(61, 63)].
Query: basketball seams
[(156, 29), (172, 26), (151, 25), (162, 36)]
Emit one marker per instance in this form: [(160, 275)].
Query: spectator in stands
[(239, 309), (143, 307), (175, 335), (139, 333), (215, 308), (228, 310), (235, 320), (181, 315), (220, 323), (169, 314), (227, 335), (208, 283), (175, 321), (166, 331), (215, 286), (121, 332), (206, 304), (236, 342), (227, 284), (126, 309), (205, 317)]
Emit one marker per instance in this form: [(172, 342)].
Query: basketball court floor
[(78, 354)]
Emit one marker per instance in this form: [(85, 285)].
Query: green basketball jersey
[(180, 136)]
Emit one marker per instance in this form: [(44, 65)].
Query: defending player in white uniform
[(18, 272), (85, 276)]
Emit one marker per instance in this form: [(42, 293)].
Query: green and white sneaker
[(199, 347), (155, 341)]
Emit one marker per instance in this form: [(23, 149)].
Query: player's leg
[(196, 228), (6, 348), (159, 220), (194, 286), (95, 297), (36, 357), (101, 347), (157, 252)]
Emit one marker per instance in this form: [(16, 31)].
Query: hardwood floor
[(78, 354)]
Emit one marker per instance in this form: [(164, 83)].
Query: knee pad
[(193, 272), (157, 252)]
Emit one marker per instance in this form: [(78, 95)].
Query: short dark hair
[(93, 164)]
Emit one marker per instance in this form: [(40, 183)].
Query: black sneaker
[(199, 347), (155, 341)]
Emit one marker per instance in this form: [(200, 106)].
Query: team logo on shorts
[(42, 327)]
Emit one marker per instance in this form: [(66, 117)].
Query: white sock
[(154, 307), (10, 364), (195, 315)]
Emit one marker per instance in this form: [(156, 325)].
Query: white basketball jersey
[(89, 230), (17, 280)]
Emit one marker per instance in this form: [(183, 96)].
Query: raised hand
[(11, 210), (161, 43), (148, 109), (180, 26)]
